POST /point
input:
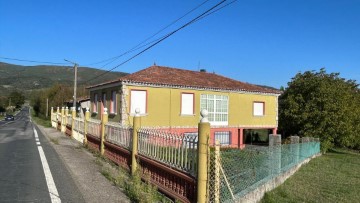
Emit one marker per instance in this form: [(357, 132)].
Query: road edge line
[(54, 195)]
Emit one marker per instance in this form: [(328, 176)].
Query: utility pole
[(75, 81), (47, 107)]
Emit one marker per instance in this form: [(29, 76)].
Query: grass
[(55, 140), (46, 122), (137, 190), (333, 177)]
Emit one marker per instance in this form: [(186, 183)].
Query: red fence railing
[(173, 183), (93, 142)]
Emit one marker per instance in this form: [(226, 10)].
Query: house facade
[(172, 99)]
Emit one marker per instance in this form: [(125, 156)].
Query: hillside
[(25, 78)]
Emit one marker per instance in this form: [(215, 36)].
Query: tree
[(16, 99), (2, 104), (57, 95), (318, 104)]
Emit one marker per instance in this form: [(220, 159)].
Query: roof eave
[(128, 82)]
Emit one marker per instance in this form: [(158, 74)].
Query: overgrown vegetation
[(57, 96), (332, 177), (40, 120), (137, 190), (318, 104), (8, 104)]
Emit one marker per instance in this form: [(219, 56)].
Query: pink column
[(274, 131), (241, 138)]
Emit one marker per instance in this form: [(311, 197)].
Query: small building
[(81, 104), (171, 98)]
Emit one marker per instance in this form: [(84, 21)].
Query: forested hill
[(24, 78)]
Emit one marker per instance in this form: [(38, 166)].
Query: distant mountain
[(17, 77)]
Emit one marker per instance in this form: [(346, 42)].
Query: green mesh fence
[(235, 173)]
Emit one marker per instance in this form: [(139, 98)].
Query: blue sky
[(256, 41)]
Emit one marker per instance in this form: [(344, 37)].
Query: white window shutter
[(187, 104), (258, 108), (138, 100)]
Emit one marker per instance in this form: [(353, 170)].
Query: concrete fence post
[(275, 148), (57, 118), (134, 150), (51, 115), (73, 116), (87, 117), (63, 124), (57, 113), (104, 120), (203, 149), (52, 118), (66, 115), (295, 150), (317, 144), (304, 151)]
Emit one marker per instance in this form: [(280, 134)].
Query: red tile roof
[(161, 75)]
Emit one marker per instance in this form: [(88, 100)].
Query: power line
[(32, 61), (217, 9), (136, 47), (201, 16)]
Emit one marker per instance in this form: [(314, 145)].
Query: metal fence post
[(217, 172), (134, 150), (102, 139), (87, 117), (73, 115), (203, 149)]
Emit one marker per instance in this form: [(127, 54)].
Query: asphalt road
[(30, 169)]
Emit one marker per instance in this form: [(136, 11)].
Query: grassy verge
[(333, 177), (46, 122), (137, 190)]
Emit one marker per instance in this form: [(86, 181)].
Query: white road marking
[(54, 195), (38, 143)]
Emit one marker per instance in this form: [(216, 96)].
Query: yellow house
[(172, 98)]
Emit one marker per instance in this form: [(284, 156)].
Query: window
[(191, 140), (217, 106), (113, 102), (223, 137), (138, 99), (259, 108), (95, 109), (187, 104)]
